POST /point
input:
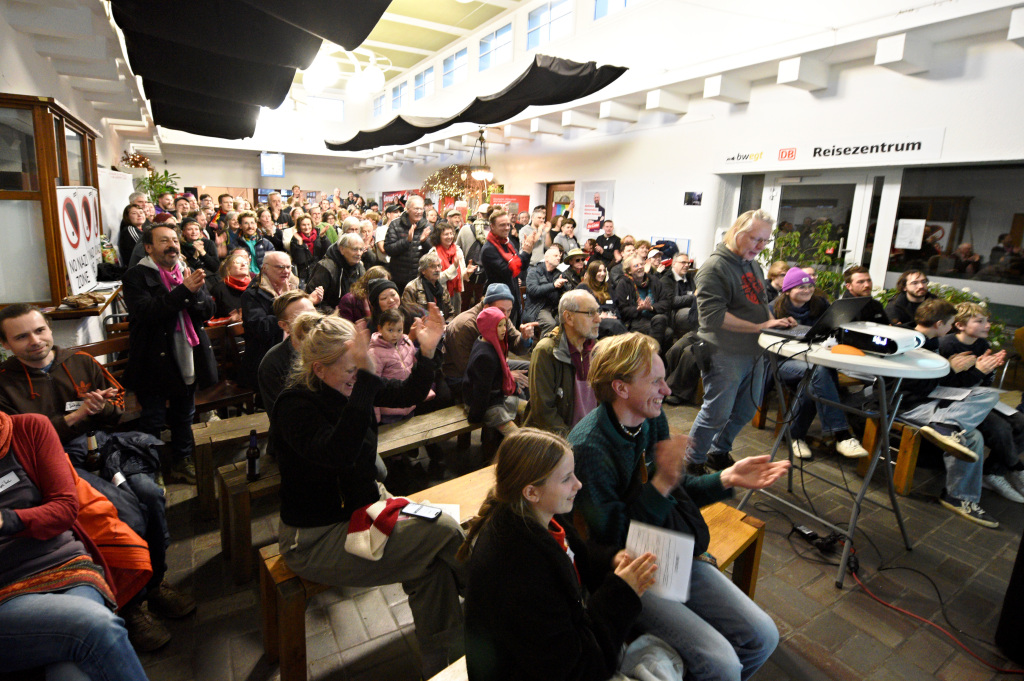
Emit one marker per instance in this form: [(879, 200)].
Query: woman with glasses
[(732, 311)]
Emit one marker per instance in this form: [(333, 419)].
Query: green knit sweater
[(607, 463)]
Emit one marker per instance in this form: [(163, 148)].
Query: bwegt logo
[(884, 148)]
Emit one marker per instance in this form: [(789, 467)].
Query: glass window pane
[(485, 61), (504, 33), (23, 272), (537, 17), (600, 8), (561, 27), (533, 39), (76, 171), (18, 170)]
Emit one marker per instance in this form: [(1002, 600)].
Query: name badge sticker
[(73, 405), (8, 481)]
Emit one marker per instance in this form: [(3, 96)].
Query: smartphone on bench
[(421, 511)]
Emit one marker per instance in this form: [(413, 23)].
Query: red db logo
[(787, 154)]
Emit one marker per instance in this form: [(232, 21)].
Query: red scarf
[(238, 284), (448, 256), (508, 254), (309, 240), (487, 324)]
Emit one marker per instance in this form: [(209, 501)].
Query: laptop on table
[(842, 311)]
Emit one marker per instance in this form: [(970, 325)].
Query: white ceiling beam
[(381, 45), (545, 126), (411, 155), (515, 131), (422, 23), (426, 152), (121, 97), (666, 101), (470, 140), (495, 137), (726, 88), (439, 149), (1016, 32), (455, 146), (90, 48), (52, 21), (97, 84), (578, 119), (617, 111), (904, 54), (803, 73), (104, 70)]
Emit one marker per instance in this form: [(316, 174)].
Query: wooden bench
[(236, 492), (736, 540), (209, 437), (906, 455)]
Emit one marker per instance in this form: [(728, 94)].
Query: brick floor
[(827, 633)]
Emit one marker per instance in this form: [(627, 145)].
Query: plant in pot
[(156, 184), (817, 248)]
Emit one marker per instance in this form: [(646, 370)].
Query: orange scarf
[(448, 256)]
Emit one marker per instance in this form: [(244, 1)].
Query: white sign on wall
[(840, 151), (80, 235), (909, 234)]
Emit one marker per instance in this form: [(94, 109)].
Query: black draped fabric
[(549, 80), (207, 67)]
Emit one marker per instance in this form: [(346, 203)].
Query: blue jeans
[(732, 391), (963, 478), (73, 626), (157, 535), (824, 384), (175, 413), (720, 633)]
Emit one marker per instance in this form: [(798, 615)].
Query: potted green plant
[(820, 252), (156, 184)]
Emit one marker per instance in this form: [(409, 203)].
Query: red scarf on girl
[(309, 240), (487, 324), (236, 283), (448, 256), (508, 254)]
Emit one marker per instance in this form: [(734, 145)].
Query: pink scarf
[(172, 278), (487, 324)]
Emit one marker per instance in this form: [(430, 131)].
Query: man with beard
[(559, 392), (427, 288), (641, 301), (169, 352), (608, 246), (249, 239), (912, 290), (857, 281)]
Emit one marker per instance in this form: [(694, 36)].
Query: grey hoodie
[(728, 283)]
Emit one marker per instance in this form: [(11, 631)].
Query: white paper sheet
[(674, 552), (1004, 409), (943, 392)]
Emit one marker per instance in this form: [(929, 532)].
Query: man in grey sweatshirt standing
[(733, 310)]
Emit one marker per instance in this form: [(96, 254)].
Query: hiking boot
[(949, 440), (183, 470), (145, 633), (968, 509), (1002, 487), (851, 448), (719, 461), (167, 601), (801, 450), (697, 469)]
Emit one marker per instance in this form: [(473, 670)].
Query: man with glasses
[(912, 290), (406, 241), (559, 392), (340, 267), (732, 311)]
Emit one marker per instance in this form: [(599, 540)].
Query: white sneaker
[(1002, 487), (1016, 479), (852, 448), (801, 450)]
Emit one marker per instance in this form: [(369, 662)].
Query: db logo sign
[(787, 154)]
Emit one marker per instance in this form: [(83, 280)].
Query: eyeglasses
[(596, 312), (280, 267), (759, 242), (916, 282)]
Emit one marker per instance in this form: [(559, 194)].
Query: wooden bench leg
[(464, 441), (906, 460), (203, 458), (268, 611), (747, 564), (240, 522), (869, 440), (224, 517), (291, 621)]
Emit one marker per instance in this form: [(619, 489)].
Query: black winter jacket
[(405, 254), (336, 276)]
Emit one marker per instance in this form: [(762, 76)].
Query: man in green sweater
[(632, 469)]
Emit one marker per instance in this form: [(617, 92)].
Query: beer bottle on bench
[(92, 452), (252, 459)]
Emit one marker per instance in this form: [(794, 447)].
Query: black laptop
[(842, 311)]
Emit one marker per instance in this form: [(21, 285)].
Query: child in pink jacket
[(394, 355)]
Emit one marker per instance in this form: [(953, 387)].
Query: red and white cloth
[(370, 527)]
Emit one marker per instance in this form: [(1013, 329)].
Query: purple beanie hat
[(796, 277)]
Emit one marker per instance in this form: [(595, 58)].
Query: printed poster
[(514, 204), (597, 203), (80, 236)]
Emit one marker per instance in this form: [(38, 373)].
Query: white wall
[(970, 92), (24, 72)]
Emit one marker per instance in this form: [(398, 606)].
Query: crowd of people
[(355, 317)]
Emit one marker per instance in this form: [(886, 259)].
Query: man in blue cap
[(461, 333)]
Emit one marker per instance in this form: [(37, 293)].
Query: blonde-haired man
[(632, 470), (732, 311)]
